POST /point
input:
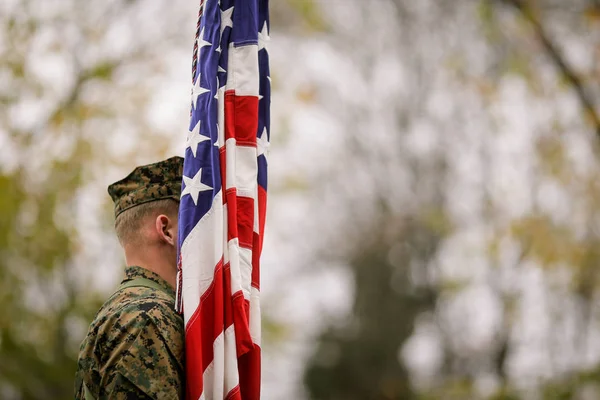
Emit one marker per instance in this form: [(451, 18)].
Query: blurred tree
[(75, 80), (37, 278), (464, 70), (533, 13), (361, 359)]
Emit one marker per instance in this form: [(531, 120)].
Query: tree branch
[(554, 53)]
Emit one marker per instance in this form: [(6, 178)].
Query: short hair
[(129, 222)]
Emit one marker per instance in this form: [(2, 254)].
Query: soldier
[(134, 346)]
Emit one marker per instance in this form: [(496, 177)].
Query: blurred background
[(434, 210)]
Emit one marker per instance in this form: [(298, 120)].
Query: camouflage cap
[(161, 180)]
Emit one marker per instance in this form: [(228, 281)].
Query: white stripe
[(225, 235), (200, 253), (246, 271), (214, 373), (221, 375), (230, 160), (243, 76), (232, 378), (234, 265), (221, 115), (255, 329), (240, 263), (246, 171)]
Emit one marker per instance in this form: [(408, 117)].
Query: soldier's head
[(146, 208)]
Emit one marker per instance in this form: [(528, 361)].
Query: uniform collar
[(135, 272)]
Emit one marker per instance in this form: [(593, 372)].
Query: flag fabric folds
[(223, 201)]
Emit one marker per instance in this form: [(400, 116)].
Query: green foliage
[(487, 16), (547, 242), (36, 285), (103, 71), (582, 385), (310, 13), (505, 394)]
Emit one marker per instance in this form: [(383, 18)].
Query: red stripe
[(258, 237), (245, 221), (228, 310), (241, 118), (243, 340), (262, 213), (205, 325), (229, 115), (256, 263), (234, 394), (223, 167), (237, 312), (232, 224), (249, 368)]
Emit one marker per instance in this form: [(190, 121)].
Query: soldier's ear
[(166, 229)]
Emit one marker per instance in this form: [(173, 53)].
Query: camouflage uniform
[(135, 346)]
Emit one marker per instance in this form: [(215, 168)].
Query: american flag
[(223, 201)]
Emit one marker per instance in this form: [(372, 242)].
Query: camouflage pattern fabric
[(134, 347), (161, 180)]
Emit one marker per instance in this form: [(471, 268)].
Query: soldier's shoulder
[(135, 322), (140, 306)]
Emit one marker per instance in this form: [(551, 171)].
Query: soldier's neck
[(155, 261)]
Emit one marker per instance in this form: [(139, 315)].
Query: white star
[(202, 42), (262, 143), (221, 69), (198, 90), (193, 186), (269, 78), (263, 38), (194, 138), (226, 20), (218, 49)]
